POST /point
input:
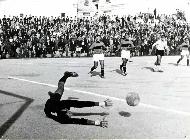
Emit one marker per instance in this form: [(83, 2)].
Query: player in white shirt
[(184, 47), (160, 46)]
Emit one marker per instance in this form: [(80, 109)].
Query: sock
[(63, 79), (187, 62), (93, 68), (121, 66), (101, 104), (102, 71), (60, 88), (124, 69), (178, 61), (90, 122), (97, 122)]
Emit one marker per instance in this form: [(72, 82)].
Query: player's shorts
[(97, 57), (160, 52), (78, 49), (185, 52), (125, 54)]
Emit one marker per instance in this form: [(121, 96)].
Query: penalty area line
[(105, 96)]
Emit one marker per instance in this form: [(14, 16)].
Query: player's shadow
[(95, 73), (149, 68), (72, 98), (124, 114), (173, 64), (65, 119), (117, 71)]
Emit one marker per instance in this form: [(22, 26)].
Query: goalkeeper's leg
[(53, 104), (80, 104), (59, 92)]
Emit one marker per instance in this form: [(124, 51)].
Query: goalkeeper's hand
[(102, 123)]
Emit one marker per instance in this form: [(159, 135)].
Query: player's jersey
[(126, 45), (160, 45), (184, 46), (98, 47)]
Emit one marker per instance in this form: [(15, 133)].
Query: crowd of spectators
[(32, 36)]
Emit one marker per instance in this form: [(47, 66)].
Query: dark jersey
[(184, 46), (97, 47), (126, 45)]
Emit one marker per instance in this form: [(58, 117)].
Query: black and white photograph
[(94, 69)]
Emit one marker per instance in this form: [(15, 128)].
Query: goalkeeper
[(58, 109)]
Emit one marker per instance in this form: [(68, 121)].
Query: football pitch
[(163, 111)]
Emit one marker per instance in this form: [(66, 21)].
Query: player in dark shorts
[(184, 47), (98, 49), (58, 109), (125, 47)]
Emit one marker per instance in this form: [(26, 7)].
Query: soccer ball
[(132, 99)]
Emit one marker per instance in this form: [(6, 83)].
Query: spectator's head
[(10, 39), (145, 41), (186, 39), (98, 38), (125, 37), (162, 37)]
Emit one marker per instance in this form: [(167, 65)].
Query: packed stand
[(31, 36)]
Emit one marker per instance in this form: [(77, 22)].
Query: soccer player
[(98, 49), (160, 46), (58, 109), (125, 47), (184, 47)]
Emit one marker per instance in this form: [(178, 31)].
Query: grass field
[(163, 111)]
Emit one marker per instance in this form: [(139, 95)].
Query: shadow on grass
[(72, 98), (117, 71), (175, 64), (95, 73), (149, 68), (5, 126), (124, 114), (64, 118)]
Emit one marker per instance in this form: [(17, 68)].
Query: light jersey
[(184, 46), (160, 45), (97, 47)]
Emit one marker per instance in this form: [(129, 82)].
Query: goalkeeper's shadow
[(80, 121), (62, 120)]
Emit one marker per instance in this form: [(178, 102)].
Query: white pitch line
[(105, 96)]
